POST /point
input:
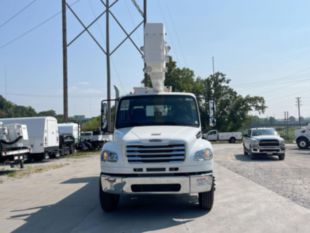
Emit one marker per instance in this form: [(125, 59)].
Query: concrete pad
[(66, 200)]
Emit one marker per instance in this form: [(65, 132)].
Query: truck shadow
[(260, 158), (81, 212)]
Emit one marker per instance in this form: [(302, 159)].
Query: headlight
[(203, 155), (108, 156), (254, 143)]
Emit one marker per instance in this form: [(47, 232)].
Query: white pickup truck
[(263, 141), (214, 135)]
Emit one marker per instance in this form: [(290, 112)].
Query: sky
[(263, 46)]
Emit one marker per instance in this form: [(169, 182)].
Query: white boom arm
[(155, 54)]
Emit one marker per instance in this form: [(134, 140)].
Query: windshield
[(157, 110), (260, 132)]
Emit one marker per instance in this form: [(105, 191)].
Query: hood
[(146, 133), (268, 137)]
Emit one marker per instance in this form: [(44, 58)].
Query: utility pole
[(65, 61), (109, 117), (144, 22), (286, 123), (298, 106)]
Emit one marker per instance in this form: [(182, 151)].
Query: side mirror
[(104, 121)]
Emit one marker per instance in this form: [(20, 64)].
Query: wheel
[(250, 154), (232, 140), (21, 163), (245, 152), (302, 143), (206, 199), (281, 156), (108, 201), (40, 157), (57, 154)]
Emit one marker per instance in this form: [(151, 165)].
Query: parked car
[(263, 141), (214, 135), (302, 137)]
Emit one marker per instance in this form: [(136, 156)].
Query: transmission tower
[(108, 52)]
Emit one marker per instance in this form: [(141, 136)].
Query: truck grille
[(155, 153), (271, 142)]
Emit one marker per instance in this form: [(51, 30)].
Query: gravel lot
[(265, 195), (289, 178)]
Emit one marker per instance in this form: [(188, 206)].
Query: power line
[(22, 35), (17, 13), (36, 95)]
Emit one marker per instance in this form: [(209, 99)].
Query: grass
[(83, 154), (31, 169), (28, 170)]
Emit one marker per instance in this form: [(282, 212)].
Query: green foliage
[(232, 109), (91, 125), (8, 109), (47, 113)]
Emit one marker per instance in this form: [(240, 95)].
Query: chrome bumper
[(268, 150), (186, 184)]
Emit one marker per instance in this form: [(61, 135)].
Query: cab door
[(212, 135), (247, 139)]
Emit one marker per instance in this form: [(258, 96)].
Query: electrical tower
[(108, 52)]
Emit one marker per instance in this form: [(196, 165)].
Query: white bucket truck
[(157, 145)]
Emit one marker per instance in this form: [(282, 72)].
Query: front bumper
[(157, 184), (268, 150)]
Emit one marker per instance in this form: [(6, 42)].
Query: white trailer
[(72, 129), (43, 135), (214, 135), (14, 146)]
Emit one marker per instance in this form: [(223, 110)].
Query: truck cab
[(157, 148)]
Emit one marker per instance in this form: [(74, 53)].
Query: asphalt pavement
[(263, 195)]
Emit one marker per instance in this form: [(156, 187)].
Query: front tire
[(302, 143), (251, 155), (232, 140), (206, 199), (245, 152), (281, 156), (108, 201)]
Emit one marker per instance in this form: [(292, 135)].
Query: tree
[(48, 113), (8, 109), (232, 109)]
